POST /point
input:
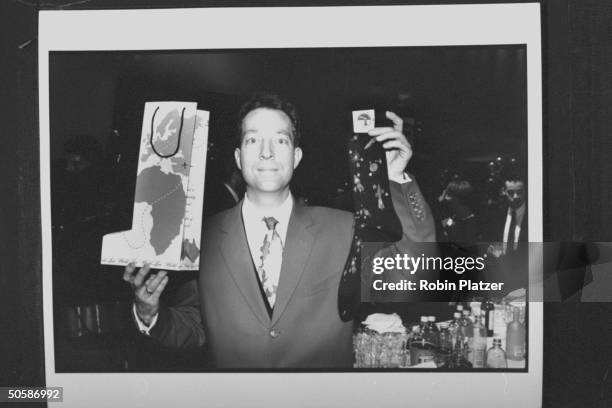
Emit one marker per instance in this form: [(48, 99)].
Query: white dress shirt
[(255, 228)]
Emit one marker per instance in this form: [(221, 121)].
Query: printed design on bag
[(168, 197)]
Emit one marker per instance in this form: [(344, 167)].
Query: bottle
[(458, 358), (468, 332), (496, 356), (424, 327), (420, 349), (478, 344), (454, 329), (415, 332), (488, 309), (445, 338), (515, 337), (475, 307), (434, 332), (445, 346), (466, 325)]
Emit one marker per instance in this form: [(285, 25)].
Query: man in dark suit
[(506, 236), (509, 223), (270, 269)]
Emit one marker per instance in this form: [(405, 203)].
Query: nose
[(266, 151)]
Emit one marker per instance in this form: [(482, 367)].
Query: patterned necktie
[(271, 260)]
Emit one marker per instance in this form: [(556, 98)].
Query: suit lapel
[(237, 256), (298, 246), (524, 234), (501, 227)]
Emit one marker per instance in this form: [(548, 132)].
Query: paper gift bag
[(376, 221), (169, 194)]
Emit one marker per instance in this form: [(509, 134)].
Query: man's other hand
[(399, 151), (146, 291)]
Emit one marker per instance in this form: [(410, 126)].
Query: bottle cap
[(457, 315), (432, 318), (459, 308), (424, 319)]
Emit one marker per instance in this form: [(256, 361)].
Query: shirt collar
[(254, 215), (519, 213)]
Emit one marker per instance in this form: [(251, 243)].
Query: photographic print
[(461, 111)]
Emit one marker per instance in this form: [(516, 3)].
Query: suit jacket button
[(274, 333)]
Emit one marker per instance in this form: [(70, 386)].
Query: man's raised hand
[(146, 292), (398, 149)]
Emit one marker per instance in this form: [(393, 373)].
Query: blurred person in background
[(458, 220)]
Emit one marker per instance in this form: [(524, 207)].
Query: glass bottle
[(424, 326), (415, 334), (515, 337), (478, 344), (453, 329), (475, 307), (434, 332), (496, 356), (462, 361), (458, 358), (488, 309), (446, 341), (420, 349), (466, 324)]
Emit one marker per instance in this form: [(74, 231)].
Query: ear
[(237, 158), (297, 157)]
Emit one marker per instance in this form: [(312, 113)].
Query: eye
[(249, 140), (283, 140)]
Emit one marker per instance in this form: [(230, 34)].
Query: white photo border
[(297, 27)]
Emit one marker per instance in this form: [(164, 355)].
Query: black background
[(577, 64), (469, 101)]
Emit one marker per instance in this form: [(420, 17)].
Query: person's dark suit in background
[(226, 194), (506, 236), (509, 223)]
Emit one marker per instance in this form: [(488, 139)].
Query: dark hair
[(269, 101), (459, 188), (514, 176)]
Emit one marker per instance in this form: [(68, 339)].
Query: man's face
[(515, 193), (267, 156)]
